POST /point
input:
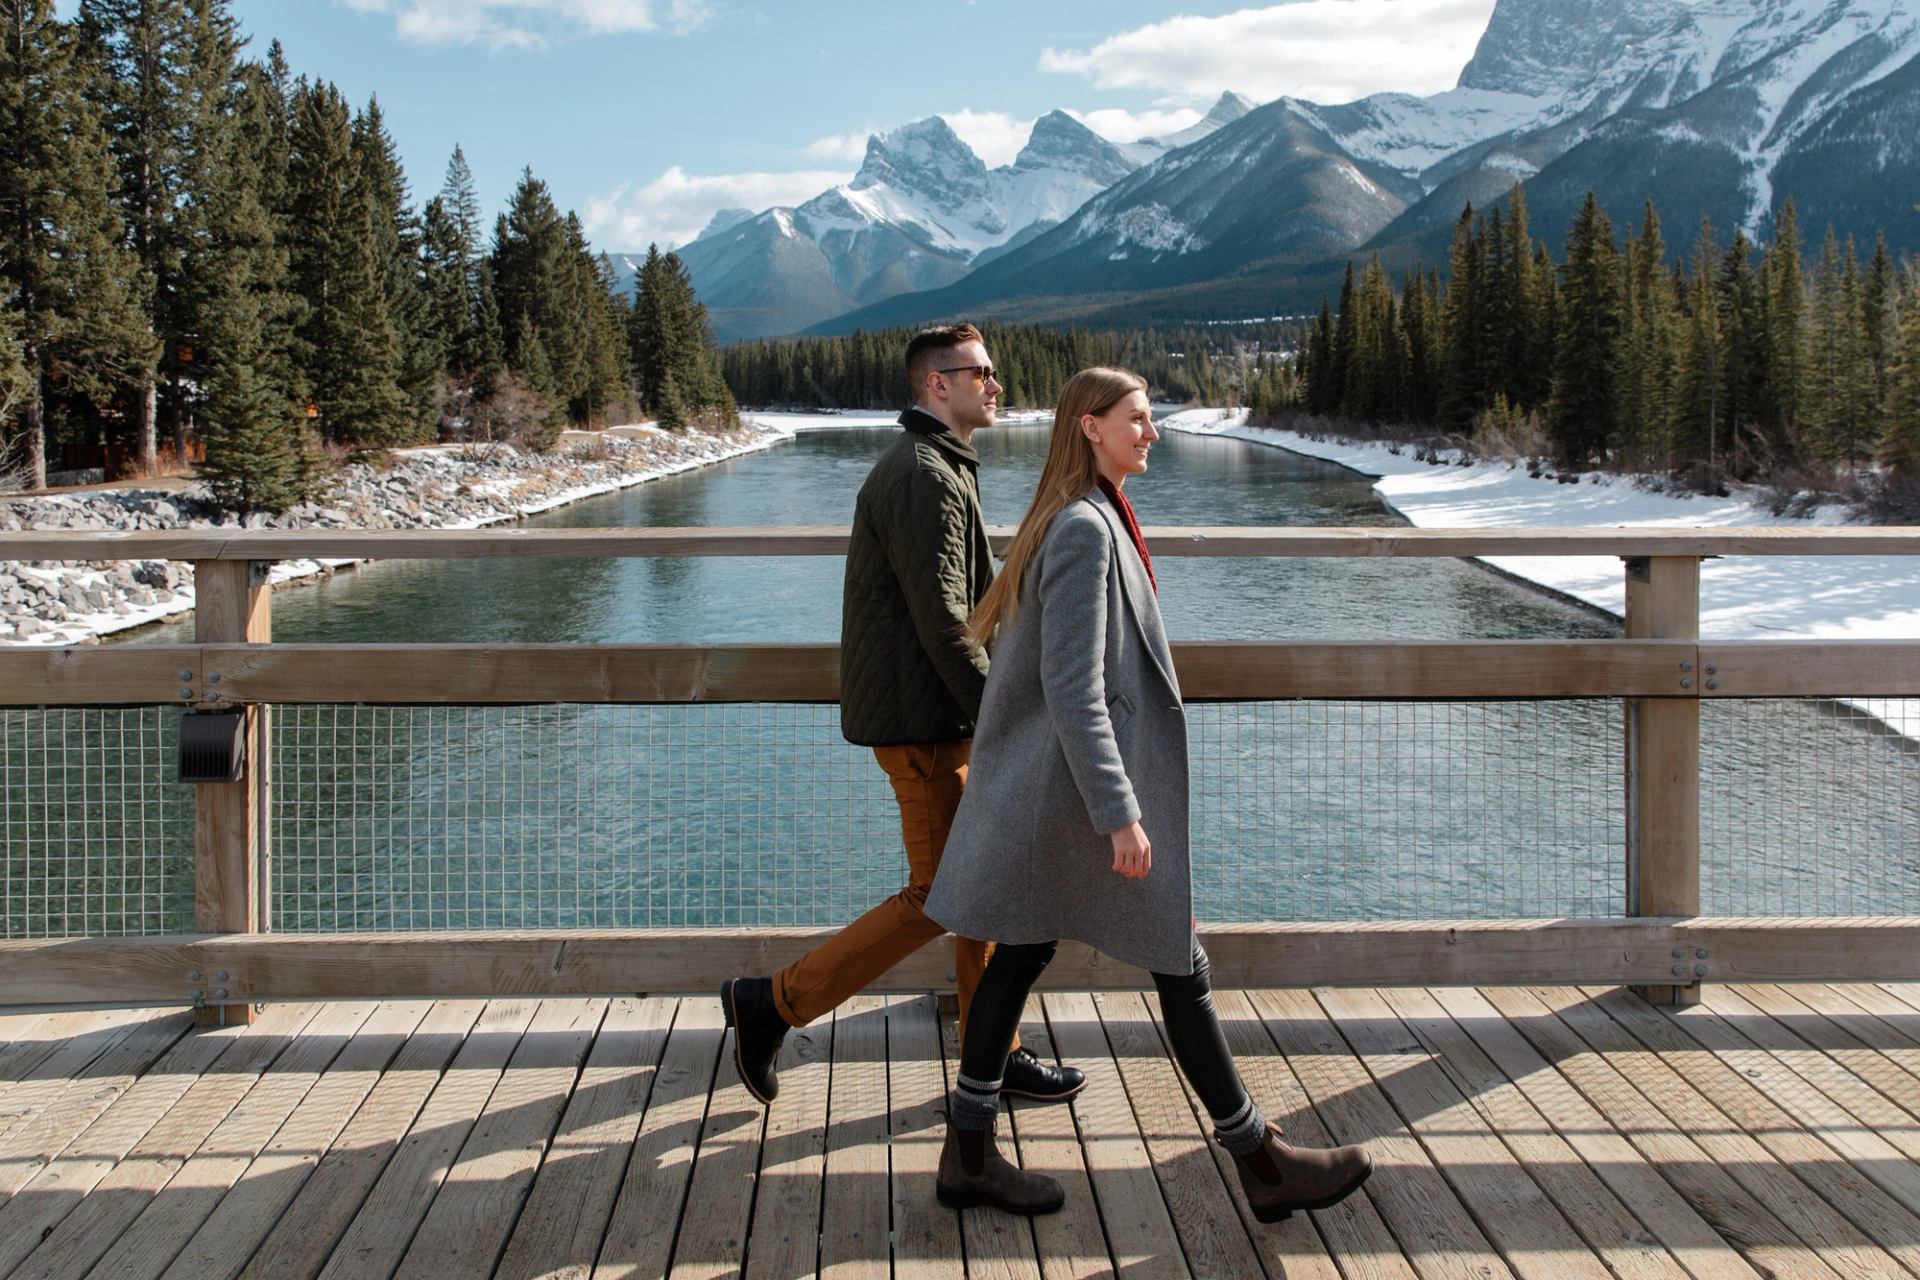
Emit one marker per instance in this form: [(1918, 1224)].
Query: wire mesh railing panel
[(575, 817), (96, 837), (1808, 807), (761, 815), (1402, 810)]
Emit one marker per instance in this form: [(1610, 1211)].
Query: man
[(910, 688)]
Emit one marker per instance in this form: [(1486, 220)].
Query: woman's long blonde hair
[(1069, 472)]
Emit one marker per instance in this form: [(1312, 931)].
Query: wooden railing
[(1661, 668)]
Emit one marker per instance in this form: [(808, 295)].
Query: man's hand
[(1132, 852)]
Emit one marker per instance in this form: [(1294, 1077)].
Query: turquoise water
[(568, 816)]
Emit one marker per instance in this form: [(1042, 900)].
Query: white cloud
[(1116, 125), (1327, 51), (532, 24), (995, 136), (676, 206), (851, 147)]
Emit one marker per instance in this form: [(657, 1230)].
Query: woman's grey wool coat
[(1081, 732)]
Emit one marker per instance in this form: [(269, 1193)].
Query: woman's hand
[(1132, 852)]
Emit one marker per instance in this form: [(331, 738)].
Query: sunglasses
[(984, 370)]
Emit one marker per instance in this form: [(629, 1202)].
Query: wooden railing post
[(1663, 761), (231, 606)]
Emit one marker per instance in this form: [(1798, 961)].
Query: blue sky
[(648, 115)]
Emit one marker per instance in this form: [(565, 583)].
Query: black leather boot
[(1028, 1077), (758, 1030), (1279, 1178), (973, 1172)]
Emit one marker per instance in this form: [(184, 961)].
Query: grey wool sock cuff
[(1242, 1132), (975, 1103)]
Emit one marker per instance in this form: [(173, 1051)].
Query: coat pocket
[(1119, 709)]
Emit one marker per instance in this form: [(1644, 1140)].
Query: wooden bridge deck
[(1546, 1134)]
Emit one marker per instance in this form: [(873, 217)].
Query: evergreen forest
[(203, 250)]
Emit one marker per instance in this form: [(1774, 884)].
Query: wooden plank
[(1412, 669), (232, 604), (829, 540), (1519, 1218), (999, 1246), (1887, 1027), (560, 1229), (64, 1051), (1203, 1210), (1855, 1198), (1614, 1158), (1736, 1214), (640, 1233), (302, 1240), (1072, 1243), (1140, 1230), (785, 1238), (38, 1208), (1824, 1231), (224, 1243), (98, 675), (377, 1238), (1811, 1028), (480, 1198), (1809, 669), (603, 961), (118, 1197), (854, 1212), (719, 1209), (178, 1213), (1829, 1101), (38, 1139), (405, 674), (1434, 1230), (462, 674), (1349, 1239), (926, 1237), (1663, 758), (1607, 1226)]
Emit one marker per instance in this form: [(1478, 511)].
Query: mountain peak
[(921, 156), (1229, 107), (1063, 143), (1546, 48), (725, 219)]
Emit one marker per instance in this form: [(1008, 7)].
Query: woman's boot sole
[(980, 1199)]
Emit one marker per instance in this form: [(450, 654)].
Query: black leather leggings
[(1186, 1005)]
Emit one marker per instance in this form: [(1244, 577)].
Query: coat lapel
[(1137, 590)]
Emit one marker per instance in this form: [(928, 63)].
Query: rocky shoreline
[(67, 602)]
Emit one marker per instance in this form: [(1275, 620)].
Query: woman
[(1074, 821)]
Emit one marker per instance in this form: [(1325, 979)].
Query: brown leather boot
[(1279, 1178), (973, 1172)]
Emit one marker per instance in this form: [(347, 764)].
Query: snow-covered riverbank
[(1743, 598), (442, 487)]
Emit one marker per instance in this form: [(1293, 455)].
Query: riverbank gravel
[(66, 602)]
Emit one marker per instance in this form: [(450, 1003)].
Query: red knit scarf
[(1127, 518)]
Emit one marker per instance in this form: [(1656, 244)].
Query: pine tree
[(1646, 359), (164, 73), (1743, 326), (1340, 359), (78, 318), (257, 457), (1462, 394), (346, 347), (1786, 339), (1900, 442), (1580, 417), (1700, 392), (420, 348)]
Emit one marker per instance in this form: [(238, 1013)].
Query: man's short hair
[(931, 349)]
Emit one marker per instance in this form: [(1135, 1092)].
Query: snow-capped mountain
[(1720, 108), (922, 212)]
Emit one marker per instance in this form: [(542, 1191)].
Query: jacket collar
[(1135, 586), (922, 423)]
